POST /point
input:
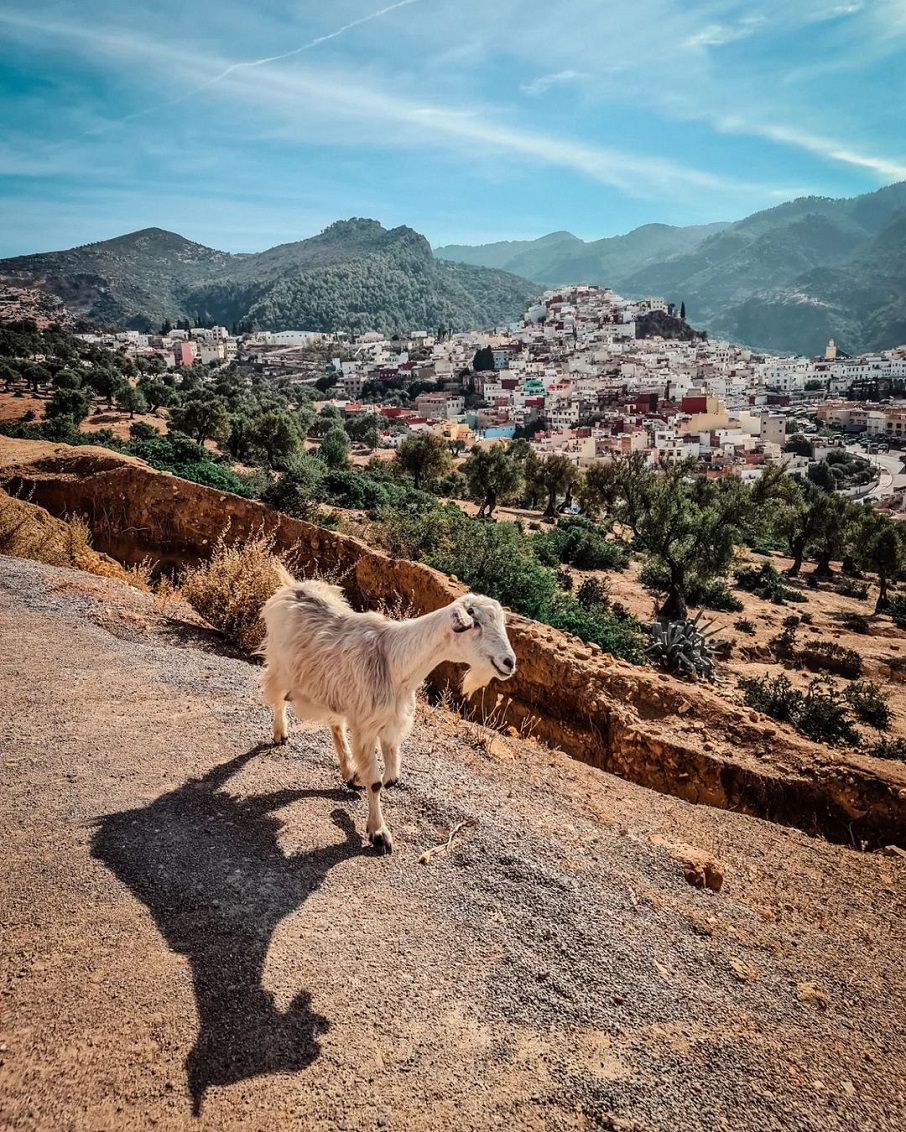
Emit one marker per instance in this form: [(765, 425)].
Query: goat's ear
[(459, 615)]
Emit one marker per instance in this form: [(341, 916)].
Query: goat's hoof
[(354, 784), (280, 740), (391, 782), (382, 843)]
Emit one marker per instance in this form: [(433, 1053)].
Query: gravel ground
[(193, 934)]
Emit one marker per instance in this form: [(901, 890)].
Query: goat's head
[(479, 625)]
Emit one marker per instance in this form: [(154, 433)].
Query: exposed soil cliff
[(673, 737)]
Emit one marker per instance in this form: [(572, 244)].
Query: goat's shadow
[(210, 870)]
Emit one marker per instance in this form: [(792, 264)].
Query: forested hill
[(355, 275), (785, 279)]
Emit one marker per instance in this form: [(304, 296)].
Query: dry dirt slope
[(190, 919)]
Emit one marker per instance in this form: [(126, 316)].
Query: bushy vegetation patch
[(889, 749), (821, 713), (765, 582), (230, 589), (708, 593), (580, 543), (825, 656), (190, 461), (744, 625), (895, 608), (869, 703), (498, 559), (851, 587)]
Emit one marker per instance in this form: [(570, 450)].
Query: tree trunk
[(823, 570), (674, 607), (882, 593), (488, 504), (550, 511), (798, 551)]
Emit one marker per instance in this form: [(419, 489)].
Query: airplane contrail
[(297, 50), (249, 64)]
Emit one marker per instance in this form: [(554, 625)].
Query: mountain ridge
[(355, 275), (785, 278)]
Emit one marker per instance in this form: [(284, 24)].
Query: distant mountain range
[(786, 279), (355, 275)]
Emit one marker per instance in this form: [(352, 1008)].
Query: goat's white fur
[(361, 671)]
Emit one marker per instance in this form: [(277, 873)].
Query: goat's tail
[(284, 577)]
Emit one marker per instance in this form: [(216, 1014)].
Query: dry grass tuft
[(231, 588), (28, 531)]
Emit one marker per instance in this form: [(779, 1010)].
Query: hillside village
[(578, 378)]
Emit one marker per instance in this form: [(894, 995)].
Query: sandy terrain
[(12, 408), (190, 920), (882, 648)]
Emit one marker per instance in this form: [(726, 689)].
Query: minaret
[(831, 352)]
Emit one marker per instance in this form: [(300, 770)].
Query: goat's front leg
[(367, 767), (281, 730), (276, 696), (391, 753)]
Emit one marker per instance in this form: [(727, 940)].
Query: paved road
[(890, 464)]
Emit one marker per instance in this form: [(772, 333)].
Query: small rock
[(812, 995), (702, 870), (745, 972)]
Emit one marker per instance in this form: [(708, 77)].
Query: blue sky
[(242, 126)]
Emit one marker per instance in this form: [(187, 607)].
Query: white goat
[(339, 668)]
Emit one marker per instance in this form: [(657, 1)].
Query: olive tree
[(491, 473), (424, 456)]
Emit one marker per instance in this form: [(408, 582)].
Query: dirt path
[(190, 921)]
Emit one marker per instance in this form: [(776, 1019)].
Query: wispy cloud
[(545, 82), (719, 35), (636, 174), (886, 168)]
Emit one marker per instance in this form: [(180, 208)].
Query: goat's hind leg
[(344, 754), (391, 753), (276, 695)]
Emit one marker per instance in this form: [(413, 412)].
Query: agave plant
[(684, 648)]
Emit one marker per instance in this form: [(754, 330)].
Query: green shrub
[(564, 579), (824, 717), (869, 703), (857, 622), (498, 559), (765, 582), (581, 543), (616, 633), (825, 656), (889, 749), (849, 587), (821, 714), (785, 641), (593, 594), (773, 695), (895, 607), (712, 593), (743, 625)]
